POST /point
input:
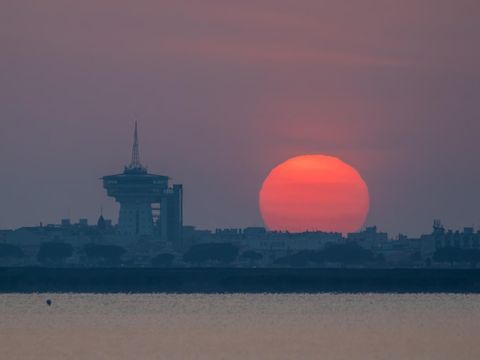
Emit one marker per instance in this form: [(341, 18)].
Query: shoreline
[(237, 280)]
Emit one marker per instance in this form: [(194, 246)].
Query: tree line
[(223, 254), (346, 254)]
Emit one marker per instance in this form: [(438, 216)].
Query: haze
[(225, 90)]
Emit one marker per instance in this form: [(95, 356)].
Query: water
[(268, 326)]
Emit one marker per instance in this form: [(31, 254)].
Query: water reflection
[(268, 326)]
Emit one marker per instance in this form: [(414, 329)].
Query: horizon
[(93, 218)]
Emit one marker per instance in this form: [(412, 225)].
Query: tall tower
[(148, 205)]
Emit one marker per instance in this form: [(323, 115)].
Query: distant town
[(84, 245), (150, 233)]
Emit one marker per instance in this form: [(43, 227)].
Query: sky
[(225, 90)]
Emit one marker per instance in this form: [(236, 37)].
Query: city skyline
[(136, 164), (226, 93)]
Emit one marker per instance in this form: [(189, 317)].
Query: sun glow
[(314, 192)]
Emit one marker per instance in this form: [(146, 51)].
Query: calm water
[(240, 327)]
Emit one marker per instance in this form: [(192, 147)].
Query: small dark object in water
[(49, 302)]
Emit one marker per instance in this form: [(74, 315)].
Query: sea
[(239, 326)]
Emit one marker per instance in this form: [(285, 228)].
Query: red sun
[(314, 193)]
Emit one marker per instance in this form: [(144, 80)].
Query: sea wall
[(234, 280)]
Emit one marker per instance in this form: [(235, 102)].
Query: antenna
[(135, 150), (135, 164)]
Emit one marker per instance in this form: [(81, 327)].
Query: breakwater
[(237, 280)]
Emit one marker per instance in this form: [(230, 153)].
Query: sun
[(314, 193)]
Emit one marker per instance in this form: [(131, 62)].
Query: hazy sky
[(225, 90)]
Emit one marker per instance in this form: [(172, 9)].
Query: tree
[(349, 253), (54, 252), (380, 259), (251, 256), (447, 254), (416, 256), (163, 260), (454, 255), (299, 259), (472, 256), (104, 254), (223, 253), (10, 251)]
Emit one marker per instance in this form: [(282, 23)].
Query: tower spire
[(135, 164)]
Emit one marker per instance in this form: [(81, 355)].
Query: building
[(369, 238), (442, 238), (149, 206)]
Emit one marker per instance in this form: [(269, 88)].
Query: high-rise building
[(149, 206)]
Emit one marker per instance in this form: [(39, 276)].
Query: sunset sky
[(225, 90)]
